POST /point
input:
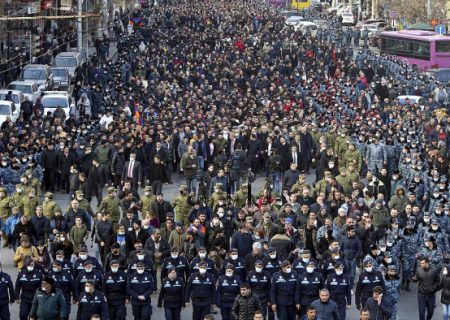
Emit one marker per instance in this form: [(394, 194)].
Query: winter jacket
[(118, 162), (244, 307), (351, 247), (378, 215), (48, 306), (445, 286), (428, 281), (326, 311), (378, 312)]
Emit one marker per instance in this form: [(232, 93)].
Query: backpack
[(236, 161)]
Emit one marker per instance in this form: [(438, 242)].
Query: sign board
[(441, 29), (393, 15)]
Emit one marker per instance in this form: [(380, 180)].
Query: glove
[(358, 307)]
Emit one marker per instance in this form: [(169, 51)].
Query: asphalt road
[(408, 309)]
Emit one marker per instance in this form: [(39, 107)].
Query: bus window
[(443, 46)]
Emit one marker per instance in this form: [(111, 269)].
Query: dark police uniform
[(92, 303), (148, 264), (114, 287), (78, 265), (340, 292), (64, 282), (83, 277), (172, 292), (211, 268), (202, 290), (282, 294), (227, 290), (364, 288), (259, 282), (141, 285), (26, 285), (308, 287), (239, 267), (6, 286), (272, 265), (180, 264)]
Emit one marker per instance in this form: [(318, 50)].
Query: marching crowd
[(220, 92)]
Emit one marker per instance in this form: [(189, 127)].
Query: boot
[(403, 284), (407, 286)]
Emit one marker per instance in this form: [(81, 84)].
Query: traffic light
[(35, 45)]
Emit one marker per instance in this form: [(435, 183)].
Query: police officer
[(227, 289), (65, 264), (308, 287), (82, 258), (259, 282), (201, 289), (340, 289), (140, 286), (368, 279), (88, 274), (173, 293), (7, 294), (409, 249), (203, 257), (63, 281), (304, 257), (114, 287), (282, 292), (273, 262), (28, 280), (237, 262), (392, 290), (176, 261), (92, 302)]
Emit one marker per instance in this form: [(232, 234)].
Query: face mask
[(202, 255), (309, 269), (389, 260), (140, 271), (62, 239), (220, 214), (234, 257), (288, 270), (434, 228), (369, 269), (30, 268), (336, 257), (147, 193), (43, 289), (56, 269), (395, 178), (87, 290), (202, 270), (228, 273), (305, 260), (88, 270), (426, 220), (140, 257), (339, 272), (382, 249), (83, 256), (114, 270), (174, 256), (444, 272), (331, 165), (436, 195), (389, 244), (258, 269), (273, 255)]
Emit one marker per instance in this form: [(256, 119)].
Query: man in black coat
[(254, 152), (26, 108), (49, 164), (132, 171)]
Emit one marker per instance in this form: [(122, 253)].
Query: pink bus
[(422, 49)]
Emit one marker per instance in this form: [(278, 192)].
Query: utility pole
[(80, 26), (31, 45), (429, 10)]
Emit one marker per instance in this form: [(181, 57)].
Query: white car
[(8, 109), (293, 21), (53, 99), (29, 89), (17, 96), (348, 19), (321, 23), (419, 100), (308, 25)]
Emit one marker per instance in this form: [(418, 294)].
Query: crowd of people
[(220, 93)]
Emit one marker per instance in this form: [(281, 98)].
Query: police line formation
[(211, 90)]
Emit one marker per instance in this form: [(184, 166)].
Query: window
[(443, 46), (409, 48), (54, 102), (66, 62), (4, 110)]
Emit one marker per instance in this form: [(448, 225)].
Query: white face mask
[(272, 255), (228, 273), (339, 272), (202, 270), (114, 270), (434, 227), (389, 244), (55, 269), (88, 270), (220, 214), (147, 193), (309, 269), (234, 257), (337, 257), (83, 256), (288, 270), (174, 255), (426, 220), (305, 260), (369, 269), (444, 272), (382, 249), (62, 239), (87, 290), (30, 268), (202, 255), (140, 257), (389, 260), (140, 271), (258, 269)]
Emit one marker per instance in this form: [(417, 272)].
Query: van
[(8, 109), (69, 60)]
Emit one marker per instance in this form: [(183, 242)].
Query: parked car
[(17, 96), (54, 99), (40, 74), (29, 89), (348, 19), (69, 60), (61, 78), (293, 20), (8, 109), (321, 23), (305, 25), (370, 21)]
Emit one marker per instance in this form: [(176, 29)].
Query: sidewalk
[(112, 51)]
